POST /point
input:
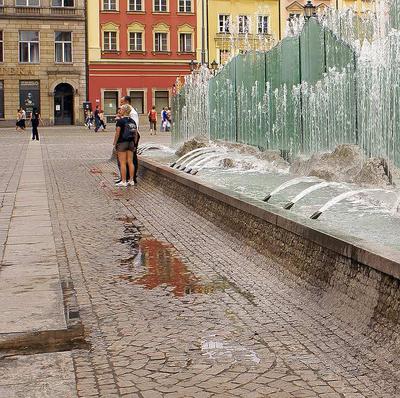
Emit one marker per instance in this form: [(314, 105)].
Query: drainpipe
[(208, 35), (203, 33), (86, 49), (280, 22)]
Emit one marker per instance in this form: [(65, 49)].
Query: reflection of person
[(35, 120)]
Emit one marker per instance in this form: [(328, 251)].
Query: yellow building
[(239, 25), (236, 25)]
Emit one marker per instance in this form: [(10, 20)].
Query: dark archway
[(64, 104)]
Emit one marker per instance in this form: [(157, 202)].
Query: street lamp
[(309, 10), (214, 66)]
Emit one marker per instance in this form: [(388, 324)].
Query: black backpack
[(130, 132)]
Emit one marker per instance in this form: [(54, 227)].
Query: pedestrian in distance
[(168, 124), (153, 120), (163, 119), (96, 119), (102, 119), (35, 120), (125, 141), (21, 120)]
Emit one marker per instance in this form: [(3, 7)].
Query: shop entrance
[(63, 104)]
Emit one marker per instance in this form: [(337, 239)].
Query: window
[(110, 5), (160, 5), (262, 28), (185, 43), (110, 41), (223, 23), (27, 3), (1, 99), (137, 98), (243, 24), (62, 3), (160, 42), (29, 95), (135, 5), (135, 41), (110, 102), (63, 46), (1, 47), (185, 5), (29, 46), (1, 3), (224, 56), (161, 99)]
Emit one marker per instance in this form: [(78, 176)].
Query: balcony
[(42, 13)]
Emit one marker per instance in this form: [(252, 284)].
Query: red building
[(138, 48)]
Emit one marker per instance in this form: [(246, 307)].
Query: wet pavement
[(174, 306)]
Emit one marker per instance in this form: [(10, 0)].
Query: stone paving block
[(38, 376)]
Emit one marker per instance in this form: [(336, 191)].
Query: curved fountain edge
[(381, 258)]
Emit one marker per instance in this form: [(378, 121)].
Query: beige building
[(42, 59)]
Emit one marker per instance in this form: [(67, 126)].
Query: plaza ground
[(171, 304)]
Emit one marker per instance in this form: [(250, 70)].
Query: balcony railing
[(42, 12)]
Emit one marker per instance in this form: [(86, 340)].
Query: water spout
[(204, 162), (339, 198), (307, 191), (287, 184), (182, 158)]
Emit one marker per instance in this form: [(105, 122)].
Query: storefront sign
[(29, 95), (16, 71)]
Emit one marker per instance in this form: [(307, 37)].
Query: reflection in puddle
[(159, 264)]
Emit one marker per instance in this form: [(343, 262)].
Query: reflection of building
[(42, 59), (239, 25), (138, 48)]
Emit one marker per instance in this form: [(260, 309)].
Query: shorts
[(153, 125), (125, 146), (21, 124)]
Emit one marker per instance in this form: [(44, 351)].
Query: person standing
[(102, 119), (126, 100), (153, 120), (96, 119), (163, 119), (35, 120), (124, 143)]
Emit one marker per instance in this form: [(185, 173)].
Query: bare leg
[(122, 161), (130, 164)]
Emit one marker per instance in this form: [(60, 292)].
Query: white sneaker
[(131, 183), (121, 184)]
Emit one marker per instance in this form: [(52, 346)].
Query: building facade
[(237, 25), (42, 59), (138, 48)]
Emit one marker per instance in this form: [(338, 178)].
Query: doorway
[(63, 104)]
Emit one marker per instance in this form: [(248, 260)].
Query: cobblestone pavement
[(173, 306)]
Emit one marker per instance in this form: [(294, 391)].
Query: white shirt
[(134, 115), (23, 115)]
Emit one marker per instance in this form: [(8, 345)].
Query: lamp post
[(309, 10), (214, 67)]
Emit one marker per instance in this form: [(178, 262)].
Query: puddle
[(157, 264)]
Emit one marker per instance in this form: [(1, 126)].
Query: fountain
[(288, 184)]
